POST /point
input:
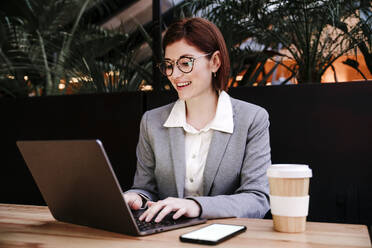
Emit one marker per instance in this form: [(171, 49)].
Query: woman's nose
[(176, 72)]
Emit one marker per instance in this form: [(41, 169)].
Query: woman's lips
[(183, 84)]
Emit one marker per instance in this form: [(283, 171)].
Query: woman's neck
[(201, 110)]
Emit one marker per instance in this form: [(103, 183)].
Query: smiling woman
[(205, 37), (195, 82), (206, 154)]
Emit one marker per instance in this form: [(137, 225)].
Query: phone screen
[(212, 234)]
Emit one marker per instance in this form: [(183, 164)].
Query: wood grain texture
[(34, 226), (289, 186), (289, 224)]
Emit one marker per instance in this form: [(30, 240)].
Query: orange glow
[(344, 72)]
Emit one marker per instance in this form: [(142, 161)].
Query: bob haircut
[(205, 36)]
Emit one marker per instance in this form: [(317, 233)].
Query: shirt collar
[(223, 120)]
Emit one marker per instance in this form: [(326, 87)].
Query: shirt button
[(191, 180), (193, 156)]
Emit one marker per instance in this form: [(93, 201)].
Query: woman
[(206, 154)]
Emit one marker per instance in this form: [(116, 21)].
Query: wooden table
[(34, 226)]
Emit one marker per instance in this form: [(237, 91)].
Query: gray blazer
[(235, 181)]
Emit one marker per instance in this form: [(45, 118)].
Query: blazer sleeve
[(144, 179), (251, 198)]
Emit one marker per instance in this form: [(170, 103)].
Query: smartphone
[(212, 234)]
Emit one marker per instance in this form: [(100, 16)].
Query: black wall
[(112, 118), (328, 127)]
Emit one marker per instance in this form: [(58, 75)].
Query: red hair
[(205, 36)]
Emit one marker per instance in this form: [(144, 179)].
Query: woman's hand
[(133, 200), (186, 207)]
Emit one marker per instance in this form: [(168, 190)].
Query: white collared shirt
[(197, 141)]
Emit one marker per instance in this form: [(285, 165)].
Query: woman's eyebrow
[(183, 55)]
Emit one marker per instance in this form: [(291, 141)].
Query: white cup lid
[(289, 171)]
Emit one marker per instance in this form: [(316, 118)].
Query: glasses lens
[(166, 68), (185, 64)]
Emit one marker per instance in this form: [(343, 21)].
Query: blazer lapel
[(215, 154), (177, 142)]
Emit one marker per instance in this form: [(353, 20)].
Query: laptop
[(78, 184)]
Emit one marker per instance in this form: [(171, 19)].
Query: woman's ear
[(215, 61)]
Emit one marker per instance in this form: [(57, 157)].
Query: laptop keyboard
[(167, 221)]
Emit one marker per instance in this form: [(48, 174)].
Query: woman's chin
[(183, 95)]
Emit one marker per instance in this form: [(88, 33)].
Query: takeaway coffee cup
[(289, 196)]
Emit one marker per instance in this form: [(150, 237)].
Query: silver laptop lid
[(78, 183)]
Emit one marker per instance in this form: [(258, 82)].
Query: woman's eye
[(186, 63)]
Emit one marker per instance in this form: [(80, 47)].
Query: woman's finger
[(136, 203), (179, 213), (152, 211), (165, 211), (133, 200)]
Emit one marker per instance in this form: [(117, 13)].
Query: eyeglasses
[(184, 64)]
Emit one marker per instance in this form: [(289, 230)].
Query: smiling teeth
[(183, 84)]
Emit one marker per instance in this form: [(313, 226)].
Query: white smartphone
[(212, 234)]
